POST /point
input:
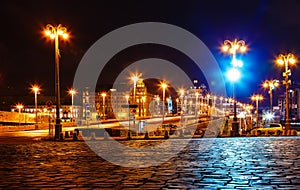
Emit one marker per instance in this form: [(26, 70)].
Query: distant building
[(294, 103)]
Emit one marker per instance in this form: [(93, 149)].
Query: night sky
[(269, 27)]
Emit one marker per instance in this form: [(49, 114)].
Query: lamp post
[(232, 47), (19, 107), (134, 78), (177, 102), (221, 105), (72, 92), (271, 85), (196, 104), (35, 89), (143, 105), (54, 32), (164, 86), (286, 60), (103, 102), (257, 97)]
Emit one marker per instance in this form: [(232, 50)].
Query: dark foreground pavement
[(215, 163)]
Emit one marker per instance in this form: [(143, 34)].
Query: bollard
[(61, 136), (267, 133), (75, 137), (106, 135), (166, 134), (294, 133), (67, 134), (253, 133), (181, 133), (129, 135), (93, 136), (288, 133), (283, 133), (146, 135)]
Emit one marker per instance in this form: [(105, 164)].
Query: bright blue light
[(233, 74), (269, 116), (237, 63)]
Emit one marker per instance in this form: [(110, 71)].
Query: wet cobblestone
[(219, 163)]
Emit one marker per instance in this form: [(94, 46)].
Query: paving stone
[(221, 163)]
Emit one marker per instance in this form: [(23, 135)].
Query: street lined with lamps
[(55, 32)]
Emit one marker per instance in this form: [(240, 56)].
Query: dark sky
[(269, 27)]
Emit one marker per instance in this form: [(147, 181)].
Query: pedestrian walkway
[(207, 163)]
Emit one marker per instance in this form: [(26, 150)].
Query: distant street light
[(143, 105), (286, 60), (135, 78), (19, 107), (54, 32), (257, 97), (103, 102), (35, 89), (271, 85), (72, 92), (232, 47), (164, 86)]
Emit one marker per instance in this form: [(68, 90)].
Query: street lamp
[(257, 97), (286, 60), (54, 32), (19, 107), (134, 78), (35, 89), (271, 85), (72, 92), (164, 86), (196, 104), (232, 47), (103, 102)]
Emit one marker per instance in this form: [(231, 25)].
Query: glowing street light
[(72, 92), (103, 102), (286, 60), (257, 97), (134, 78), (19, 107), (232, 47), (35, 89), (164, 86), (55, 32), (271, 85)]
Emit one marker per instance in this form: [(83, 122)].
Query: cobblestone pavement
[(207, 163)]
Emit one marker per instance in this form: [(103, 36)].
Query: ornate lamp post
[(35, 89), (271, 85), (257, 97), (55, 32), (232, 47), (286, 60)]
